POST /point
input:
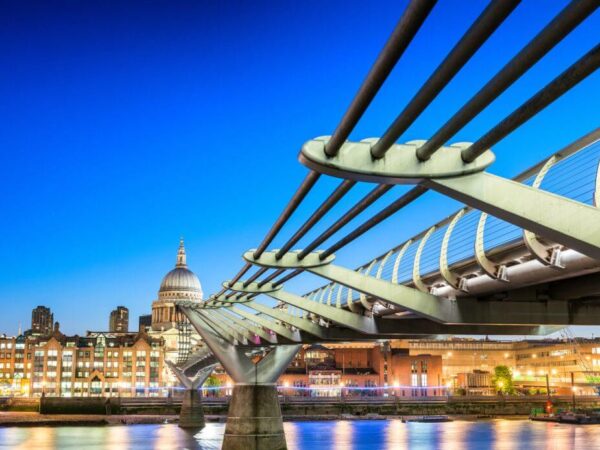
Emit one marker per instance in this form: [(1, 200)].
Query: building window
[(414, 379)]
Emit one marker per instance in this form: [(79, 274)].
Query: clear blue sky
[(127, 124)]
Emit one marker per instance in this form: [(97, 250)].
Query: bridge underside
[(543, 276)]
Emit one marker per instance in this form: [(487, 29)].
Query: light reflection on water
[(339, 435)]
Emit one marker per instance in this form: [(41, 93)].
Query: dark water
[(340, 435)]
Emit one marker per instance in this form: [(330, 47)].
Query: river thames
[(368, 435)]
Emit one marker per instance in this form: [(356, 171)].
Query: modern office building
[(119, 320), (42, 320), (145, 322)]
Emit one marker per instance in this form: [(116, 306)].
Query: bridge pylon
[(254, 420), (191, 414)]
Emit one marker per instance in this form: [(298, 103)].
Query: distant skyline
[(126, 125)]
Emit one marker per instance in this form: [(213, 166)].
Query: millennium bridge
[(520, 257)]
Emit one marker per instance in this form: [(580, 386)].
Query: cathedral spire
[(181, 259)]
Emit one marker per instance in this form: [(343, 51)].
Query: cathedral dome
[(180, 283)]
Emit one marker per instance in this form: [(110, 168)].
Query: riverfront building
[(132, 364), (98, 364), (362, 369), (466, 363)]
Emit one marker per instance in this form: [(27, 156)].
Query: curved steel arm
[(399, 259), (451, 278), (547, 256), (418, 282), (497, 271)]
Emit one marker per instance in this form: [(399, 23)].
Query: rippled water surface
[(372, 435)]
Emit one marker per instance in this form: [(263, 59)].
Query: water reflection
[(342, 435)]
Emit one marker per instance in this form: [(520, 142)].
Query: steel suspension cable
[(407, 27), (582, 68), (404, 200), (359, 207), (571, 16), (293, 204), (483, 27), (329, 203), (413, 17)]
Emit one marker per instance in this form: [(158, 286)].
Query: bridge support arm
[(464, 310), (568, 222), (287, 333), (258, 331), (340, 316)]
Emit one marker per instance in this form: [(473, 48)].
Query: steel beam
[(271, 339), (568, 222), (342, 317), (233, 358), (232, 336), (393, 328), (466, 310), (300, 323), (293, 336), (191, 382)]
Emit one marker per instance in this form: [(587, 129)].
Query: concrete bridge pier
[(254, 419), (192, 413)]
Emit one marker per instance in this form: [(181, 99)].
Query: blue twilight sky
[(125, 125)]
